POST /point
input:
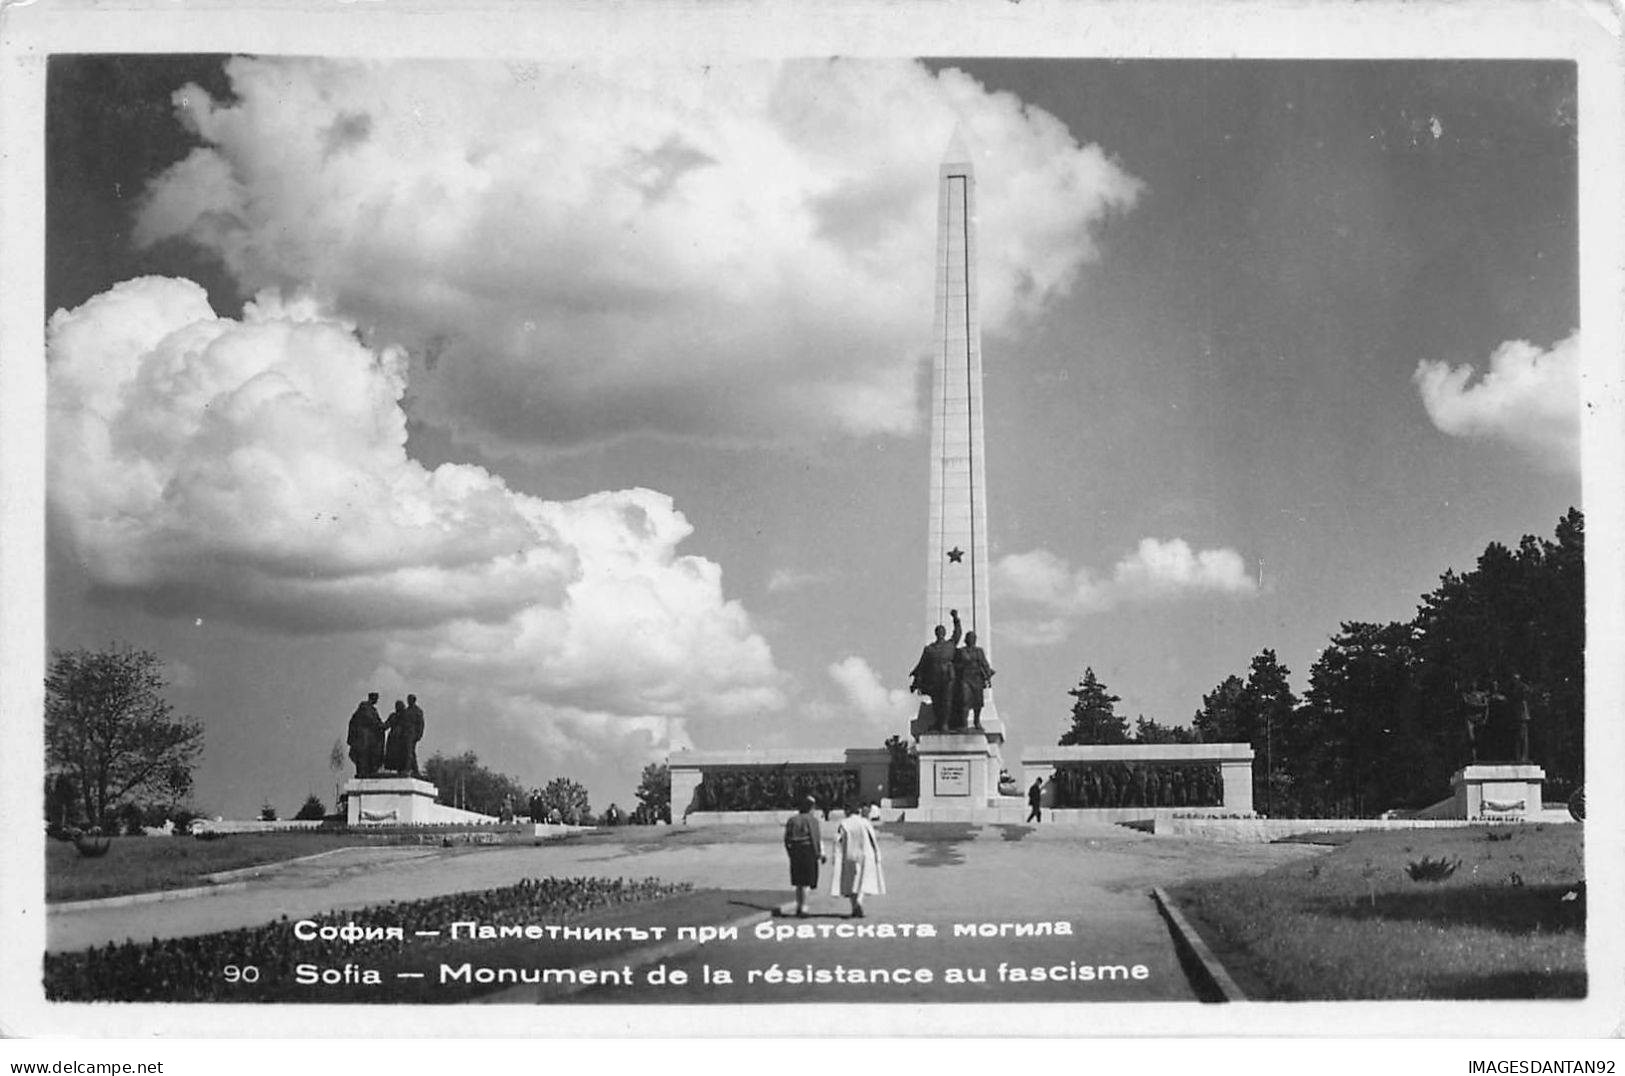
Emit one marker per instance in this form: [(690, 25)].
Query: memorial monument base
[(959, 776), (400, 800), (1497, 790)]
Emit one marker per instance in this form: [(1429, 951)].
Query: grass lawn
[(146, 864), (1353, 924)]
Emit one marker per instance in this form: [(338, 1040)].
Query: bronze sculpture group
[(955, 677), (378, 746), (1479, 705)]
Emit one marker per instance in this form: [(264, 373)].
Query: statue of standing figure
[(933, 674), (404, 729), (972, 677), (1520, 690), (366, 737)]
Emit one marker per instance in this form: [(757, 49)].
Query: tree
[(336, 758), (1271, 703), (568, 797), (1093, 718), (463, 782), (1149, 731), (1257, 711), (654, 792), (1515, 614), (1367, 747), (313, 810), (1222, 717), (902, 768), (110, 731), (267, 812)]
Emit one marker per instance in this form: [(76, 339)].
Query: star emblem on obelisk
[(955, 555)]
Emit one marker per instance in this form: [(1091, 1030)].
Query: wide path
[(1096, 880)]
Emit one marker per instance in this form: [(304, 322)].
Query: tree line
[(1393, 709)]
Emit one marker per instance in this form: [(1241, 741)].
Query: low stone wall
[(226, 825), (1265, 830)]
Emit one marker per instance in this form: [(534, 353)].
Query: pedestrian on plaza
[(857, 860), (1035, 800), (804, 844)]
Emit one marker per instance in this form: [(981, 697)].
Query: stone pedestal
[(391, 801), (1497, 790), (958, 770)]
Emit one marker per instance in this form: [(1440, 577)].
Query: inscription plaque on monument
[(951, 778)]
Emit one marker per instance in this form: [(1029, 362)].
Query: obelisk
[(957, 555)]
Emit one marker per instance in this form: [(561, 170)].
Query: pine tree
[(1094, 719)]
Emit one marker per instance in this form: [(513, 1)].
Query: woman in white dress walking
[(857, 870)]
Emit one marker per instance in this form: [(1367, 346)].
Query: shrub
[(313, 810), (1427, 869)]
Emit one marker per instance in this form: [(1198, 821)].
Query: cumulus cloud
[(1528, 398), (785, 580), (256, 470), (1154, 571), (574, 252), (867, 698)]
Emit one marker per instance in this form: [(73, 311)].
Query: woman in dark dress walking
[(805, 845)]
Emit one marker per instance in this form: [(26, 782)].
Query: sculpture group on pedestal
[(955, 677), (378, 746), (1480, 706)]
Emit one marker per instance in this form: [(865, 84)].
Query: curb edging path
[(1185, 937)]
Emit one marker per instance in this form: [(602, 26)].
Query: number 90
[(247, 973)]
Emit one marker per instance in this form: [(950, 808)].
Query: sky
[(587, 401)]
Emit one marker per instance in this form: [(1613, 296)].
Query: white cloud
[(785, 580), (867, 698), (1528, 398), (1154, 571), (575, 253), (257, 471)]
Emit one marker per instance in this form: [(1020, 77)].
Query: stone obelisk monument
[(959, 768)]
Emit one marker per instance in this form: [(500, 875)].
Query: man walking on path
[(1035, 800)]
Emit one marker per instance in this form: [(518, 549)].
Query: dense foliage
[(1258, 711), (1392, 710), (1138, 784), (566, 797), (312, 810), (190, 969), (463, 782), (777, 789), (654, 795), (1094, 715), (902, 769), (112, 738)]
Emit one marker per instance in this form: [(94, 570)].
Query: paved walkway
[(1097, 880)]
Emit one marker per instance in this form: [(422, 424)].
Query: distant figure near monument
[(933, 674), (366, 737), (972, 675)]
